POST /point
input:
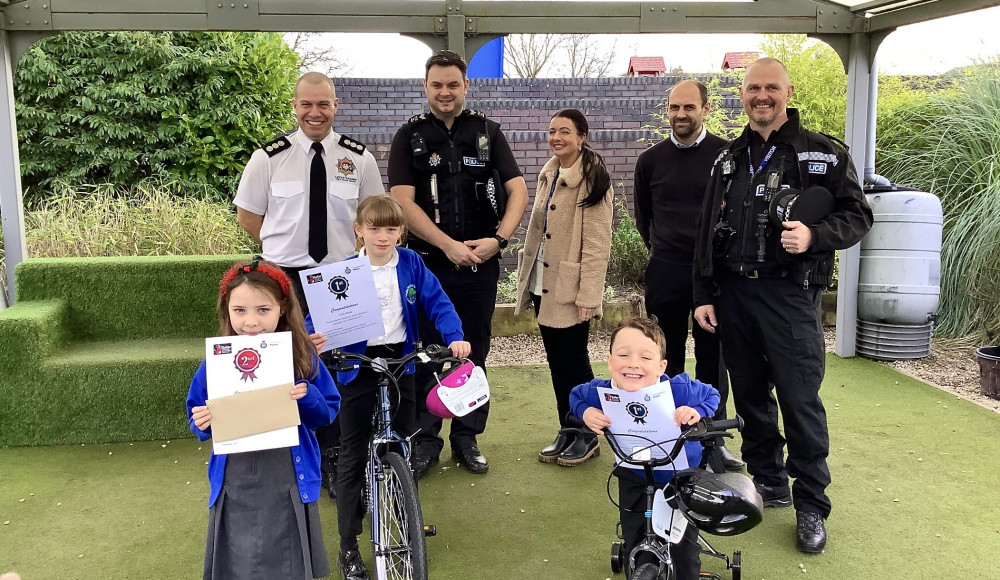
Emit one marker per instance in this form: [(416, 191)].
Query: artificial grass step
[(139, 351)]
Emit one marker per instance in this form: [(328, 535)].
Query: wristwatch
[(501, 240)]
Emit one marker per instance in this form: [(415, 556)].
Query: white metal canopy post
[(10, 168)]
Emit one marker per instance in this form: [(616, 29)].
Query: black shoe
[(563, 440), (774, 496), (729, 459), (330, 484), (351, 565), (471, 459), (422, 465), (810, 532), (583, 447)]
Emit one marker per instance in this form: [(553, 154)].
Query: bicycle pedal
[(430, 530)]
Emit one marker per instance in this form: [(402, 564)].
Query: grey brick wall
[(618, 110)]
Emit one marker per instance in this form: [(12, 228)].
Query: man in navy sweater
[(670, 182)]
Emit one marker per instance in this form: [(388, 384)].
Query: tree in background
[(527, 54), (127, 107), (579, 55), (316, 53), (585, 57)]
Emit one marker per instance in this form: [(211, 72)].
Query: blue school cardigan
[(417, 286), (317, 409)]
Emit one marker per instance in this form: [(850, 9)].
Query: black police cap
[(808, 207)]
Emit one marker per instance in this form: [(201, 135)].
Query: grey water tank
[(899, 282)]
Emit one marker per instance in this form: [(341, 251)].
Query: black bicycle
[(398, 531), (724, 504)]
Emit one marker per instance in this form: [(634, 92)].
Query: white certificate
[(641, 419), (241, 363), (342, 301)]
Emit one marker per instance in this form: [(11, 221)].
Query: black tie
[(317, 205)]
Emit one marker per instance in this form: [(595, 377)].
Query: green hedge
[(103, 349)]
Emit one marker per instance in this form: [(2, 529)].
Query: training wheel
[(617, 557)]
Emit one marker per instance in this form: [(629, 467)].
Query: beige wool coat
[(577, 250)]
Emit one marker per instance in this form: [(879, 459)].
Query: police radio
[(771, 187)]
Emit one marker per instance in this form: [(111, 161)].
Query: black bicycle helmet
[(722, 504)]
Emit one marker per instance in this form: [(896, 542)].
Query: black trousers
[(686, 554), (669, 296), (474, 294), (328, 437), (569, 359), (358, 399), (772, 338)]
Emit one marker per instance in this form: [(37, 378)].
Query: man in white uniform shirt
[(301, 224)]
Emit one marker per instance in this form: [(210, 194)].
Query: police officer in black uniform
[(453, 172), (759, 284)]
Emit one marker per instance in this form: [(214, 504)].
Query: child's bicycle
[(724, 504), (397, 525)]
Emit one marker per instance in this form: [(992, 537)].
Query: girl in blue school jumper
[(403, 285), (263, 519)]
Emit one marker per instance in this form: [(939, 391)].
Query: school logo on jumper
[(224, 348), (434, 160), (637, 411), (338, 287), (346, 166), (247, 360), (411, 294)]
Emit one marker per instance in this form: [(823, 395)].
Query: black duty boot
[(774, 496), (583, 447), (810, 532), (564, 439)]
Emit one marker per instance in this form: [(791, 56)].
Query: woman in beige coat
[(562, 267)]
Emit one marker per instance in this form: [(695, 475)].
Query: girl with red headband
[(263, 518)]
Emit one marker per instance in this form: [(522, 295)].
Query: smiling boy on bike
[(637, 360)]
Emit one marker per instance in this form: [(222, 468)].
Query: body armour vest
[(453, 175)]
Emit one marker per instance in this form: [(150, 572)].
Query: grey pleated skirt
[(259, 528)]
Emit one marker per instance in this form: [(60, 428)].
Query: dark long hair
[(595, 173)]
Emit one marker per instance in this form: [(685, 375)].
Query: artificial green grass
[(129, 297), (139, 510)]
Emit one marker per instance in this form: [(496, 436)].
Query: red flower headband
[(275, 274)]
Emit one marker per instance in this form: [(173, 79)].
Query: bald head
[(771, 63), (315, 78), (688, 85)]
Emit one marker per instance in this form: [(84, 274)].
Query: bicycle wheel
[(401, 551), (648, 571)]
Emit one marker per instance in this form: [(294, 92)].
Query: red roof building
[(739, 60), (646, 66)]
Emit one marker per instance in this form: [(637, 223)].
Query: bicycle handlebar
[(703, 430), (435, 352)]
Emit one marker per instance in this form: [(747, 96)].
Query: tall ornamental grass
[(151, 219), (949, 145)]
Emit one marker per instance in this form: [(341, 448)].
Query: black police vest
[(460, 173), (746, 202)]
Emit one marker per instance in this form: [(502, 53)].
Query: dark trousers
[(358, 400), (772, 338), (474, 294), (569, 359), (328, 437), (669, 296), (686, 555)]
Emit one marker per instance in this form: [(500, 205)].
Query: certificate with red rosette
[(246, 375)]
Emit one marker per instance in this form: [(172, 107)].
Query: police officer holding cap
[(453, 172), (758, 283)]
